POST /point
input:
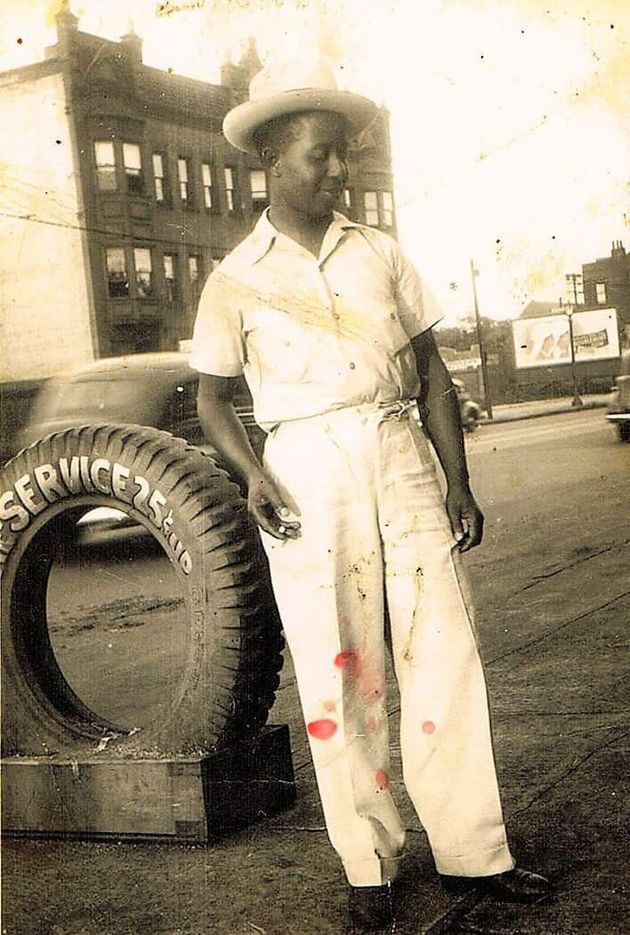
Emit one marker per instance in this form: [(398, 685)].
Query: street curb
[(518, 417)]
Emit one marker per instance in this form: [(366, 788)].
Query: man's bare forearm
[(223, 428), (440, 414)]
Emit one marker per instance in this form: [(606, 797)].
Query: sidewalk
[(512, 412)]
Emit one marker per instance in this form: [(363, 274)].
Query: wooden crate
[(194, 799)]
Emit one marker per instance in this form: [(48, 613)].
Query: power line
[(118, 235)]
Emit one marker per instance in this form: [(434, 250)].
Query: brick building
[(126, 194), (606, 282)]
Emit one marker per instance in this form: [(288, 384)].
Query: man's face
[(310, 168)]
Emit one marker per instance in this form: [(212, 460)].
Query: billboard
[(543, 342)]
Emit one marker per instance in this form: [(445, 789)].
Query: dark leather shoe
[(513, 886), (371, 907)]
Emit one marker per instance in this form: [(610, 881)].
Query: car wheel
[(197, 515), (623, 430)]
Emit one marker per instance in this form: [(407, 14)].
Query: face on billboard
[(545, 341)]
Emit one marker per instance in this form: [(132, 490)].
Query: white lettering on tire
[(32, 492)]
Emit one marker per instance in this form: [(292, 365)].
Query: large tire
[(196, 513)]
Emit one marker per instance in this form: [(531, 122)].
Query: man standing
[(326, 320)]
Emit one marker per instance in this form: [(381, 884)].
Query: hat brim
[(242, 121)]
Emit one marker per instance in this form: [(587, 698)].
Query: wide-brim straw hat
[(292, 88)]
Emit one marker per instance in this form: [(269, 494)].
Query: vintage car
[(469, 411), (619, 405), (156, 389), (153, 389)]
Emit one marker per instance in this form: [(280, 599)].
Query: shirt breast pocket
[(280, 347)]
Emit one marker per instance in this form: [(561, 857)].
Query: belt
[(394, 410), (398, 410)]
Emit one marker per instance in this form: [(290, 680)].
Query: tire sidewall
[(192, 721)]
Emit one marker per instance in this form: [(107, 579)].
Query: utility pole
[(572, 283), (482, 351)]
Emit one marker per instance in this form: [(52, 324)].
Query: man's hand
[(465, 516), (269, 510)]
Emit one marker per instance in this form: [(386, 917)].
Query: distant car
[(155, 389), (619, 405), (469, 411)]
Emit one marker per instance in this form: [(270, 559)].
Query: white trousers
[(376, 543)]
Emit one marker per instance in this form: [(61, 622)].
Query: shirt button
[(336, 316), (352, 366)]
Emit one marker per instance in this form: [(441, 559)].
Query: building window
[(229, 188), (159, 177), (347, 198), (600, 290), (117, 278), (170, 276), (144, 272), (206, 178), (133, 168), (387, 218), (258, 183), (105, 165), (194, 267), (182, 175), (575, 288), (370, 201)]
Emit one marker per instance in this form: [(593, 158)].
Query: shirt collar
[(264, 234)]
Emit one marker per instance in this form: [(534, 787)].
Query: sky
[(510, 120)]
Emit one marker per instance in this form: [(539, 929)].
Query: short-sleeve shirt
[(313, 334)]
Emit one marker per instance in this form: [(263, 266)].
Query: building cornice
[(30, 72)]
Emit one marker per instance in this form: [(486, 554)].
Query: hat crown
[(292, 76), (295, 86)]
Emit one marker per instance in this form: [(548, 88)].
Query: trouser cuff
[(376, 871), (477, 863)]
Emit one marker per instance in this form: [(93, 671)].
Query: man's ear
[(270, 159)]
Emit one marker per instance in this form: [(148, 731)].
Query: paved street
[(552, 586)]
